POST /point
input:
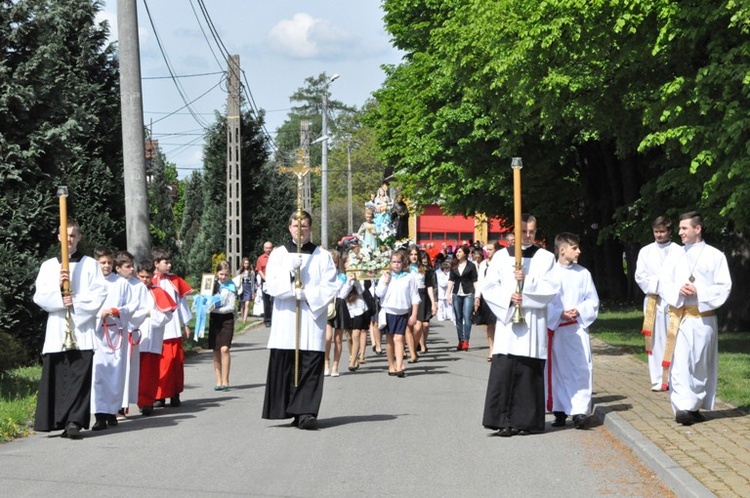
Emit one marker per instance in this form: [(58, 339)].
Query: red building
[(434, 226)]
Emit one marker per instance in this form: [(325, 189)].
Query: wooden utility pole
[(134, 160), (234, 174)]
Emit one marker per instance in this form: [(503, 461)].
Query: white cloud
[(304, 37)]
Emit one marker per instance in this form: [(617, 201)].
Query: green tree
[(162, 195), (59, 125), (569, 86), (259, 186), (308, 105)]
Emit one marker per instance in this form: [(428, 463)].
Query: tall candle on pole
[(517, 164), (62, 192)]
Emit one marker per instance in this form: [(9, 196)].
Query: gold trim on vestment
[(649, 321), (675, 318)]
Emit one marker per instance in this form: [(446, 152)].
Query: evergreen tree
[(162, 194), (264, 194), (59, 125)]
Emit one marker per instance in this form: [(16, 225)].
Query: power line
[(246, 87), (178, 76), (190, 110), (171, 70), (221, 66)]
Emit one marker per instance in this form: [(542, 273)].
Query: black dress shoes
[(559, 419), (174, 402), (686, 417), (308, 423), (101, 422), (581, 421), (72, 431), (505, 432)]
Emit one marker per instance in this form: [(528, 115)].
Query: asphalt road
[(379, 436)]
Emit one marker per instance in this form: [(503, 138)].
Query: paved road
[(379, 436)]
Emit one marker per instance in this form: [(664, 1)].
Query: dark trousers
[(267, 308)]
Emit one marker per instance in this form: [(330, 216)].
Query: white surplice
[(647, 269), (571, 364), (320, 286), (694, 370), (527, 339), (89, 290)]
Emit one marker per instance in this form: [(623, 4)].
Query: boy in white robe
[(696, 282), (647, 269), (110, 344), (319, 286), (138, 311), (64, 397), (569, 316), (158, 310)]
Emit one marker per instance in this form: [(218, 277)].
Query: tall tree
[(162, 196), (307, 104), (59, 125), (608, 103), (259, 186)]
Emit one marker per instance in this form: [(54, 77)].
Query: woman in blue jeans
[(460, 292)]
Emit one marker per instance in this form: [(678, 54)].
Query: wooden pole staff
[(62, 192), (517, 164)]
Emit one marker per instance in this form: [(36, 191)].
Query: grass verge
[(622, 329), (18, 388)]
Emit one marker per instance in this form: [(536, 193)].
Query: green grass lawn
[(18, 389), (623, 329)]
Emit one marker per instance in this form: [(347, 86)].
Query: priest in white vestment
[(319, 286), (64, 397), (696, 282), (515, 390)]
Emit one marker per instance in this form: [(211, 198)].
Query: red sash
[(182, 287), (162, 300)]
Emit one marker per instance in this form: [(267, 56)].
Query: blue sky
[(280, 43)]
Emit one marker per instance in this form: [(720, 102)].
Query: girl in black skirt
[(356, 311), (221, 326)]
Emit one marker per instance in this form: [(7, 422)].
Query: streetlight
[(324, 169), (350, 214)]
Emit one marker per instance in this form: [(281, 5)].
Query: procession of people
[(113, 339)]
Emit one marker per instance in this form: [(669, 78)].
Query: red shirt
[(260, 265)]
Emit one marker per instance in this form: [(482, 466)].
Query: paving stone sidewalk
[(710, 458)]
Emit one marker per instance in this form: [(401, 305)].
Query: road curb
[(669, 471)]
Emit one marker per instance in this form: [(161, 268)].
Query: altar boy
[(569, 316), (64, 397), (172, 367)]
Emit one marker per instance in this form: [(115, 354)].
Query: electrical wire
[(195, 75), (190, 110), (198, 119), (246, 87)]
